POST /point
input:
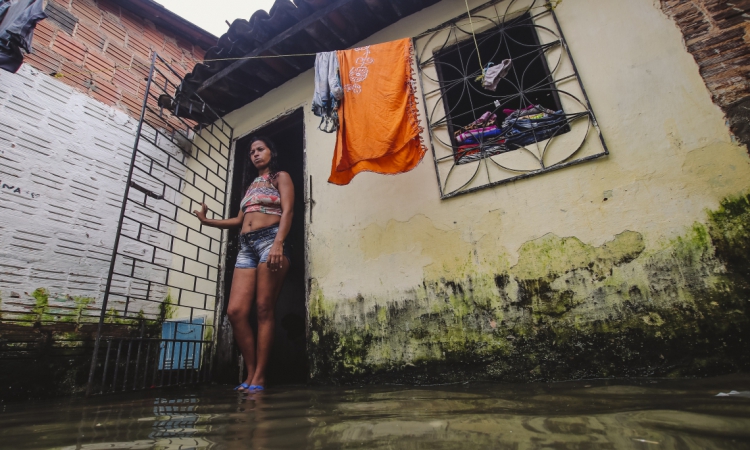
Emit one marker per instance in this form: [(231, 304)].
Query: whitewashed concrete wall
[(63, 165)]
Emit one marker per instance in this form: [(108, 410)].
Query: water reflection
[(601, 414), (175, 423)]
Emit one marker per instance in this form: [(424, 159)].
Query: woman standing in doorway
[(265, 217)]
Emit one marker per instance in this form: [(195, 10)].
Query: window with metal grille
[(515, 48), (503, 96)]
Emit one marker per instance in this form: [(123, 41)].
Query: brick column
[(717, 34)]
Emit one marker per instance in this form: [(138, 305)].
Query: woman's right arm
[(226, 223)]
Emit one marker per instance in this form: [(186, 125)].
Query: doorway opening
[(288, 362)]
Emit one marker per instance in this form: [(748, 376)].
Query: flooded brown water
[(609, 414)]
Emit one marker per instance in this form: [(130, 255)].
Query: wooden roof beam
[(376, 9), (351, 20), (399, 11), (288, 60), (332, 28)]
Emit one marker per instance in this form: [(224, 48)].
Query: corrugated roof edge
[(290, 27)]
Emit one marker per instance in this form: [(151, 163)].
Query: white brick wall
[(63, 165)]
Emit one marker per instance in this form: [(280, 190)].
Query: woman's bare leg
[(241, 299), (269, 287)]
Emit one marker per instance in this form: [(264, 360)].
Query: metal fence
[(143, 363), (165, 267)]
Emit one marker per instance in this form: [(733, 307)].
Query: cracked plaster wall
[(622, 266)]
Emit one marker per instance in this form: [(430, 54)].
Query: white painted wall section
[(64, 160)]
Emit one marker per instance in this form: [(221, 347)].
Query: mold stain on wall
[(54, 338), (565, 309)]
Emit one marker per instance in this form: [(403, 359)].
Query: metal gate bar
[(164, 271), (149, 357)]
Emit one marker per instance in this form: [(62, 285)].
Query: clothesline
[(552, 4), (87, 71), (474, 36)]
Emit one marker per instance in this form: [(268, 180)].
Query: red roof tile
[(69, 48)]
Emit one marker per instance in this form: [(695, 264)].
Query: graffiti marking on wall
[(17, 190)]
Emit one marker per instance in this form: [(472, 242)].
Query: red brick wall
[(109, 53), (717, 34)]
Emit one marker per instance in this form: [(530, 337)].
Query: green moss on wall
[(77, 317), (41, 296), (566, 309), (167, 308)]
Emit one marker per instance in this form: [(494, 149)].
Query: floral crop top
[(262, 196)]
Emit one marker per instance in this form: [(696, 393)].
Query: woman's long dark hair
[(273, 166)]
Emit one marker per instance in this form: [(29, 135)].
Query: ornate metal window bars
[(500, 147)]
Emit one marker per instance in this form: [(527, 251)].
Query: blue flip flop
[(243, 386), (254, 387)]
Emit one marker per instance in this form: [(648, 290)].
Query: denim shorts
[(255, 247)]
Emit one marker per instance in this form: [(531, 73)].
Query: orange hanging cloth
[(379, 125)]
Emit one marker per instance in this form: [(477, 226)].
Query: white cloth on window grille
[(494, 74)]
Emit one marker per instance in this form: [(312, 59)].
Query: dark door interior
[(288, 362)]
